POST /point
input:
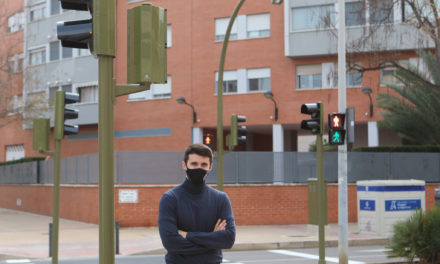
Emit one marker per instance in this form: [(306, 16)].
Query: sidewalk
[(26, 235)]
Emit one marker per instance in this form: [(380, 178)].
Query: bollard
[(437, 196), (117, 237), (50, 239)]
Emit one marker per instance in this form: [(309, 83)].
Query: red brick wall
[(252, 205)]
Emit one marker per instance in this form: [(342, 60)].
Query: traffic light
[(238, 133), (316, 124), (336, 132), (79, 33), (208, 140), (147, 44), (62, 114)]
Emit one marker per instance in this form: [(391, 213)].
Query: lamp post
[(368, 91), (220, 93), (181, 100), (269, 95)]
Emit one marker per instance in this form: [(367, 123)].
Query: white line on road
[(18, 261), (229, 262), (310, 256)]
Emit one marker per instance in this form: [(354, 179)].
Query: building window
[(381, 12), (88, 94), (14, 104), (162, 90), (354, 14), (156, 91), (229, 82), (221, 24), (55, 7), (313, 17), (14, 152), (84, 52), (15, 63), (308, 76), (258, 25), (353, 78), (37, 56), (37, 13), (16, 22), (54, 51), (258, 79), (388, 75), (169, 36), (66, 52)]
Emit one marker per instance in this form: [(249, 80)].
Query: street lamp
[(269, 95), (368, 91), (181, 100), (220, 93)]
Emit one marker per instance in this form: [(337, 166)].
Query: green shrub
[(29, 159), (417, 237)]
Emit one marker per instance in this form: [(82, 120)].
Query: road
[(357, 255)]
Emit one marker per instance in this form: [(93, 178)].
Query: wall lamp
[(368, 91), (269, 95), (181, 100)]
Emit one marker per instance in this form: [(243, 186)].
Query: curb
[(283, 245)]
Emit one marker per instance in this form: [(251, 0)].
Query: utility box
[(383, 203), (313, 201), (146, 44)]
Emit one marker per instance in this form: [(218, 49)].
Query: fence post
[(50, 239), (117, 237)]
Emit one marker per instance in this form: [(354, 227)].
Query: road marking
[(310, 256), (18, 261), (229, 262)]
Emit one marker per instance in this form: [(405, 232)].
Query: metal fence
[(138, 167)]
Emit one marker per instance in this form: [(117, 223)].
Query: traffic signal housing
[(316, 123), (147, 44), (336, 132), (79, 33), (238, 133), (208, 140), (62, 114), (40, 134)]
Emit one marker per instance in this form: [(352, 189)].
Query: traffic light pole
[(321, 190), (56, 201), (106, 161), (342, 149)]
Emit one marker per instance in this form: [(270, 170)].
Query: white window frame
[(392, 70), (312, 70), (169, 35), (231, 75), (332, 76), (258, 25), (154, 92), (14, 65), (14, 104), (16, 22), (221, 25), (14, 152), (314, 25), (259, 74), (35, 51), (94, 92), (44, 12)]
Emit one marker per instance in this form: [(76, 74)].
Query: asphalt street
[(357, 255)]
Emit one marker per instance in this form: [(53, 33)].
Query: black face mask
[(196, 176)]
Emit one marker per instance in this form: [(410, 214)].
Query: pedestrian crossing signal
[(208, 140), (336, 132)]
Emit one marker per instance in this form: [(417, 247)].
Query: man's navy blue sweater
[(195, 209)]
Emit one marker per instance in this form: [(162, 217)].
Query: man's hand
[(182, 233), (220, 225)]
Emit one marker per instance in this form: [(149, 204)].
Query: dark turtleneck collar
[(193, 188)]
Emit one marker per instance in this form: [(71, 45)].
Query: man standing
[(196, 221)]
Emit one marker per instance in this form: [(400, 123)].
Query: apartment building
[(288, 49)]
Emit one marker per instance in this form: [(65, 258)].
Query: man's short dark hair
[(199, 149)]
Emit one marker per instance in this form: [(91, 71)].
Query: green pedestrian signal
[(336, 132)]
